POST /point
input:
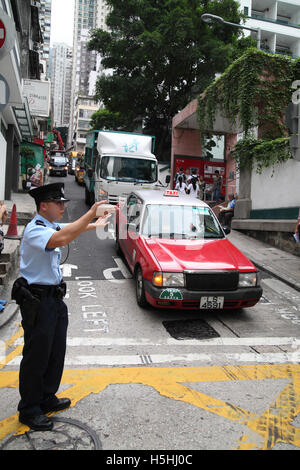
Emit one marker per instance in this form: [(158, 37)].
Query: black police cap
[(49, 192)]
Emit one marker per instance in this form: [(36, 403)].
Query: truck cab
[(116, 163)]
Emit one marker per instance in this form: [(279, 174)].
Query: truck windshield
[(60, 160), (128, 169), (169, 221)]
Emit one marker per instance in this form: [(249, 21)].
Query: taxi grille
[(212, 281)]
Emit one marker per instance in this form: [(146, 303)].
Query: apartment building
[(85, 106), (279, 22), (45, 22), (84, 19), (61, 78), (19, 62), (86, 65), (101, 14)]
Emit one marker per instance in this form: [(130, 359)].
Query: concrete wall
[(280, 189)]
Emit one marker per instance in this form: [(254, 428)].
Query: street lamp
[(209, 18)]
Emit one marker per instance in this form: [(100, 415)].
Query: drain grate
[(190, 329)]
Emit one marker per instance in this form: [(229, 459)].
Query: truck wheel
[(92, 198), (87, 197), (140, 288)]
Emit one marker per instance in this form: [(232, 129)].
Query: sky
[(62, 15)]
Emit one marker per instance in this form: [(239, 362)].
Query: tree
[(162, 55), (104, 119)]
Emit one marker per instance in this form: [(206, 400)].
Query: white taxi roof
[(154, 196)]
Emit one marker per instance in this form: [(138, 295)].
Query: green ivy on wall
[(253, 92), (259, 154)]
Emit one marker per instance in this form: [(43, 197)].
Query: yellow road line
[(264, 431)]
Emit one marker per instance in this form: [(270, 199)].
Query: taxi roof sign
[(171, 192)]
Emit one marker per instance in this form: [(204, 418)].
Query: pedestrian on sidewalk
[(226, 213), (180, 185), (193, 188), (202, 185), (180, 174), (216, 189), (297, 229), (39, 292)]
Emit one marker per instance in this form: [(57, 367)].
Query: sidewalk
[(25, 206), (280, 264)]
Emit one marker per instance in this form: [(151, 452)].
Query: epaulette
[(40, 222)]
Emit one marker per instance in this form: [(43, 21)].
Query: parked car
[(180, 255), (79, 171), (58, 164)]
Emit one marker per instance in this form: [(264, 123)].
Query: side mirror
[(168, 179), (90, 173), (226, 229), (132, 231), (132, 227)]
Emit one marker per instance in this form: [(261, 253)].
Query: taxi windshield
[(182, 222)]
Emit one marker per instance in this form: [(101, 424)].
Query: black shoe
[(37, 423), (57, 405)]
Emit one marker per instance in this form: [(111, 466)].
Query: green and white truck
[(116, 163)]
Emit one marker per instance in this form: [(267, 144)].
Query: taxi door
[(134, 211)]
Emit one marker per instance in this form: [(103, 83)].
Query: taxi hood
[(181, 255)]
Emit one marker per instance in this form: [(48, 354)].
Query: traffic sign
[(2, 33), (7, 33)]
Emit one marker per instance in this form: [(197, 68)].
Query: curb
[(288, 281), (8, 313)]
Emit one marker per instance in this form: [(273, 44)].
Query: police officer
[(39, 292)]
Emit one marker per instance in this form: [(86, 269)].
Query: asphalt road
[(162, 379)]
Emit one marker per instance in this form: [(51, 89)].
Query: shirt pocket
[(56, 256)]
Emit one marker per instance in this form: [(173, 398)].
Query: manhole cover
[(190, 329), (67, 434)]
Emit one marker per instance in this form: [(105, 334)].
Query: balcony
[(256, 16)]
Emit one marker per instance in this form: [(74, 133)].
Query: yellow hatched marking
[(264, 431)]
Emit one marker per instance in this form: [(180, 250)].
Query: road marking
[(269, 341), (264, 431), (108, 273), (127, 360), (67, 269)]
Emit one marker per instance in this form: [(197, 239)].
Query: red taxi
[(180, 255)]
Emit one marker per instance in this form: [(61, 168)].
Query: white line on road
[(275, 341), (267, 358), (269, 341)]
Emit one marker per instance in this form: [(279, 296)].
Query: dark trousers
[(225, 217), (43, 355)]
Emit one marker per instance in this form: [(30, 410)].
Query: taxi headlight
[(248, 279), (168, 279)]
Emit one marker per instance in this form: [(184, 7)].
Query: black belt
[(41, 290)]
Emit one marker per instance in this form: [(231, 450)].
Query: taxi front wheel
[(140, 288)]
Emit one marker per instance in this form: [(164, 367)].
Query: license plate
[(211, 302)]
